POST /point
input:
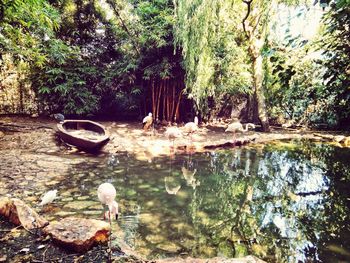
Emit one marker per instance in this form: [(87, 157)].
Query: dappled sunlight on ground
[(39, 135), (149, 144)]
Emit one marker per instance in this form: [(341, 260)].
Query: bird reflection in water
[(172, 182), (247, 164), (189, 177), (236, 158), (188, 171)]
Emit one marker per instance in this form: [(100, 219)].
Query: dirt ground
[(39, 135)]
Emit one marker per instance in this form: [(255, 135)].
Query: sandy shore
[(39, 135)]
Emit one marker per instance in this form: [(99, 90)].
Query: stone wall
[(16, 95)]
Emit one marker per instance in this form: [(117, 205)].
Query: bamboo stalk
[(173, 101), (164, 99), (153, 97), (158, 102), (169, 103), (177, 113)]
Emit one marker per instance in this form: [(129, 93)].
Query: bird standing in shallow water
[(172, 133), (48, 197), (191, 127), (147, 121), (238, 127), (106, 193)]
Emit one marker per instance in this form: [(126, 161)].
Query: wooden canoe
[(83, 134)]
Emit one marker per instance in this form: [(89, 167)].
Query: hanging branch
[(248, 3)]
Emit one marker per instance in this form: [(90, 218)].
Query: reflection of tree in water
[(278, 205), (333, 225)]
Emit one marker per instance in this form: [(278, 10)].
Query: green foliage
[(215, 63), (88, 57), (105, 42), (83, 65), (335, 45), (24, 27), (309, 80), (156, 20), (297, 90)]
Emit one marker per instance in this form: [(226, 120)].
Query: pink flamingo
[(172, 133), (106, 194), (238, 127), (191, 127)]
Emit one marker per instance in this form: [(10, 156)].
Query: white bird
[(147, 121), (48, 197), (172, 133), (238, 127), (106, 193), (191, 127)]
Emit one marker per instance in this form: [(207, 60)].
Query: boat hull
[(67, 128)]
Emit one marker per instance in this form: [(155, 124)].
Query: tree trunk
[(259, 92), (258, 73), (256, 31)]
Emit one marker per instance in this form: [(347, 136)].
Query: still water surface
[(283, 202)]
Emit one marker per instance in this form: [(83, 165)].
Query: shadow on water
[(283, 202)]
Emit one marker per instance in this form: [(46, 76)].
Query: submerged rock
[(80, 205), (78, 234)]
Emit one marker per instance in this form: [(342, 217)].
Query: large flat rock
[(78, 234)]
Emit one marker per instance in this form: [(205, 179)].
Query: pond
[(283, 202)]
